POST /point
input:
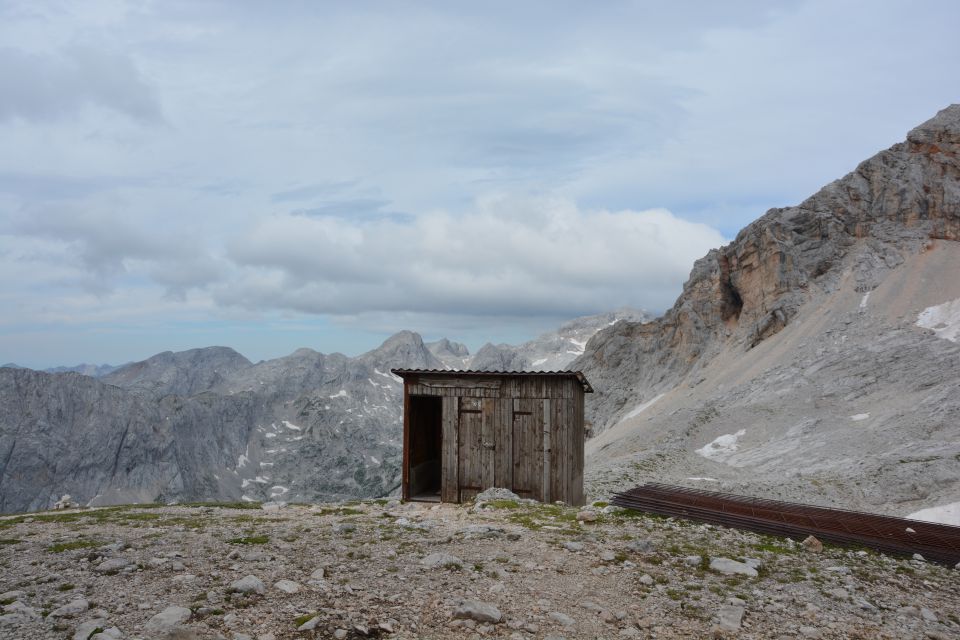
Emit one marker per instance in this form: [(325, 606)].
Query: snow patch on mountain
[(943, 319), (944, 514), (722, 447)]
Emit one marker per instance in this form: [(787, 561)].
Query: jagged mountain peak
[(403, 349), (943, 127)]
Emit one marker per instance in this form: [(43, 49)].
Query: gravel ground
[(501, 570)]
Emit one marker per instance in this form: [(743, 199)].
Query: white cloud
[(506, 256)]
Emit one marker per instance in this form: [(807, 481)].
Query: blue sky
[(275, 175)]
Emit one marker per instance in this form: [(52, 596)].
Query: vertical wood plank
[(557, 450), (535, 444), (450, 481), (547, 426), (488, 442), (503, 454), (527, 450), (470, 440)]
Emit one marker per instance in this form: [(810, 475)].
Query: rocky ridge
[(551, 351), (792, 364)]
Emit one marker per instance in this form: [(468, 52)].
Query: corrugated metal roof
[(582, 379)]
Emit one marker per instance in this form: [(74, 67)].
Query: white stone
[(248, 584), (287, 586), (436, 560), (167, 621), (731, 617), (730, 567), (72, 608), (85, 629), (478, 611), (561, 618), (113, 564)]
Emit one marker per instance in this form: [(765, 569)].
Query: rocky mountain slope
[(812, 358), (207, 424), (382, 570)]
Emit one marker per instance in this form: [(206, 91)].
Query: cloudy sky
[(271, 175)]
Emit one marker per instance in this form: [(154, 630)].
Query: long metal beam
[(936, 542)]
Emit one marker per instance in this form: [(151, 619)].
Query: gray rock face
[(792, 366), (743, 293), (207, 425), (452, 354), (184, 373)]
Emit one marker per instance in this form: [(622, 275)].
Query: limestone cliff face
[(750, 289)]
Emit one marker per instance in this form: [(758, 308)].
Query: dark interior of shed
[(426, 435)]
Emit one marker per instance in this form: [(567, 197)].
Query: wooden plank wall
[(524, 433), (450, 478)]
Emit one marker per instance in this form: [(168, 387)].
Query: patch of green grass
[(75, 544), (7, 601), (304, 619), (66, 586), (600, 504), (774, 545), (4, 541), (504, 504), (223, 505), (338, 511), (250, 540), (140, 516), (673, 594), (536, 517)]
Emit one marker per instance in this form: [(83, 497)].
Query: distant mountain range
[(207, 424)]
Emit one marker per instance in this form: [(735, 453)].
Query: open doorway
[(426, 435)]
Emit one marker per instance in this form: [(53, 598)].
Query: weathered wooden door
[(528, 448), (470, 454)]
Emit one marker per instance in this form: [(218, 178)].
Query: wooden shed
[(466, 431)]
